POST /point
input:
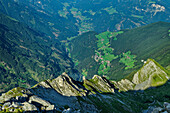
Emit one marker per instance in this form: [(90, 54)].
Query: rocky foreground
[(98, 94)]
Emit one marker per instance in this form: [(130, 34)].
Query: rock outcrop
[(164, 109), (20, 94), (150, 75), (66, 86), (100, 84), (29, 107), (124, 85)]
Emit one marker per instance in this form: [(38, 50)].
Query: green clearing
[(91, 12), (104, 53), (110, 10), (73, 9), (85, 27), (84, 72), (82, 21), (64, 12), (103, 39), (50, 24), (22, 81), (151, 2), (3, 65), (12, 18), (71, 38), (66, 4), (76, 62), (128, 60), (137, 16)]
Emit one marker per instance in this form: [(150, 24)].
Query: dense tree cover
[(40, 20), (27, 56)]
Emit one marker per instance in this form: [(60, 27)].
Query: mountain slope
[(151, 41), (27, 56), (39, 19), (150, 75), (68, 18), (64, 94), (118, 54)]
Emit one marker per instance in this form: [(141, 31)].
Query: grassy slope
[(151, 41)]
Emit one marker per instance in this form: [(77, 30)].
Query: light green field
[(137, 16), (128, 60), (110, 10), (104, 51)]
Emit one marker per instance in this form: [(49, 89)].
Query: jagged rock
[(157, 110), (167, 106), (11, 94), (69, 110), (11, 110), (44, 84), (52, 96), (66, 86), (4, 98), (165, 109), (98, 83), (39, 100), (43, 108), (6, 105), (150, 75), (50, 108), (124, 85), (15, 104), (22, 98), (29, 107)]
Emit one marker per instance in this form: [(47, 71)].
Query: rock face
[(38, 100), (101, 84), (17, 93), (66, 86), (165, 109), (150, 75), (124, 85), (29, 107)]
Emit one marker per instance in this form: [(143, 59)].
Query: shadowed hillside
[(27, 56)]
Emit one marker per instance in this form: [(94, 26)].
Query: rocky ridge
[(64, 94), (50, 94)]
